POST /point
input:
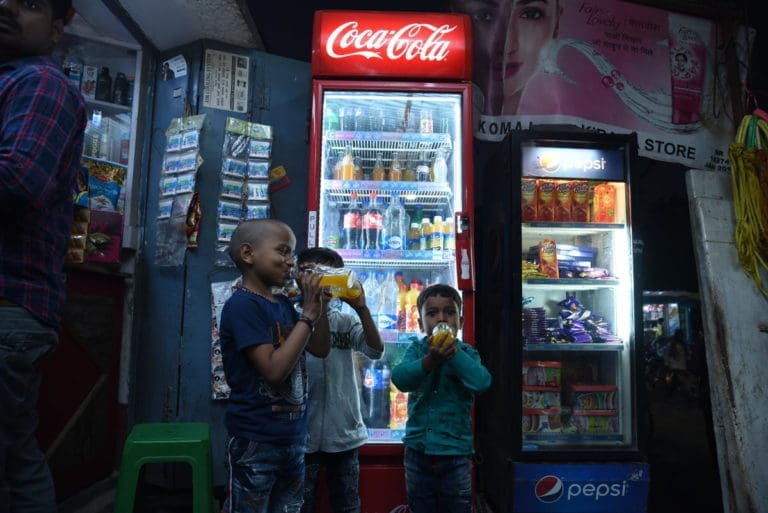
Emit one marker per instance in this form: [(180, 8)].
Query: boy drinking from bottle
[(263, 340), (442, 375)]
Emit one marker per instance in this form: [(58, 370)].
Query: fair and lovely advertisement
[(605, 65)]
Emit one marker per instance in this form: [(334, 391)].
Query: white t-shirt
[(334, 420)]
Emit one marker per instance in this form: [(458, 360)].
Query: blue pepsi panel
[(580, 488), (606, 164)]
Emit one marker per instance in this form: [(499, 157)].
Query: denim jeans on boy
[(263, 478), (438, 484), (342, 473), (26, 485)]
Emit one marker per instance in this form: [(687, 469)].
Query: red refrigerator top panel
[(387, 45)]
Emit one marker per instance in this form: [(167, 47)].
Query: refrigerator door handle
[(464, 252)]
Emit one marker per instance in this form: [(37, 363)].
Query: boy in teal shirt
[(442, 381)]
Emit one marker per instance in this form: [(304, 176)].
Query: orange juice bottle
[(425, 239), (449, 234), (348, 165), (396, 168), (336, 172), (358, 169), (378, 172), (409, 171), (437, 233)]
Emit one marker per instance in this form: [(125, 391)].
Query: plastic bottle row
[(370, 226), (359, 119), (345, 166)]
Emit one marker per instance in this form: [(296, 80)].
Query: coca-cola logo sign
[(396, 44), (421, 41)]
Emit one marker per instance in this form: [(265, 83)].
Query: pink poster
[(605, 65)]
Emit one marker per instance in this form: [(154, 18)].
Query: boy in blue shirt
[(442, 381), (262, 343)]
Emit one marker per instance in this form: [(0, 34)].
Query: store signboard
[(392, 45)]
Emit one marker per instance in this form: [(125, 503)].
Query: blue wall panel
[(173, 365)]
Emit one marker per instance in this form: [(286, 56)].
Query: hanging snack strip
[(749, 181), (177, 187), (244, 180)]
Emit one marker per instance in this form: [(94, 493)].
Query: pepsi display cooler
[(557, 323)]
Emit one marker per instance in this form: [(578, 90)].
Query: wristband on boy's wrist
[(308, 321)]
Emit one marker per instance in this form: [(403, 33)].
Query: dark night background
[(661, 218)]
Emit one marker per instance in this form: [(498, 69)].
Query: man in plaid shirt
[(42, 119)]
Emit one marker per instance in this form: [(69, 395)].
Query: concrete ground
[(684, 475)]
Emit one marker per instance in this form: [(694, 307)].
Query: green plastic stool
[(188, 442)]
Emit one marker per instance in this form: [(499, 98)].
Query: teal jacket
[(440, 401)]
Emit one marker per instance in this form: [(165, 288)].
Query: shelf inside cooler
[(427, 194), (574, 347), (400, 264), (570, 283), (570, 229)]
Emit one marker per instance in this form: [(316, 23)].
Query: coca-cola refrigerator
[(562, 427), (390, 188)]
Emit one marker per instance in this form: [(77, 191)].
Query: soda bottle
[(372, 290), (376, 379), (348, 165), (396, 168), (425, 237), (425, 122), (347, 119), (409, 171), (331, 227), (437, 233), (336, 169), (387, 315), (372, 225), (361, 120), (376, 120), (413, 237), (422, 170), (378, 168), (358, 169), (395, 224), (352, 224), (440, 168), (330, 119)]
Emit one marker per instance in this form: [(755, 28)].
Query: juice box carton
[(548, 258), (580, 202), (528, 199), (563, 200), (545, 206)]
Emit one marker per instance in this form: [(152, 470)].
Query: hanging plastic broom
[(749, 180)]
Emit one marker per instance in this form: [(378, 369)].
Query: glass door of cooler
[(578, 308), (390, 185)]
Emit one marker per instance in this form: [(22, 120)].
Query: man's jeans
[(343, 478), (263, 478), (438, 484), (25, 480)]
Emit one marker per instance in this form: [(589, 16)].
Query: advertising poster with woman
[(605, 65)]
